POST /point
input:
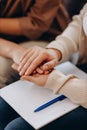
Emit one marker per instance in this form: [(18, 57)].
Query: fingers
[(35, 63), (15, 66), (23, 60), (27, 51), (39, 70), (27, 64), (34, 58), (28, 78), (49, 65), (31, 60), (36, 78), (46, 68)]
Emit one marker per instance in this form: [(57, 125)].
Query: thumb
[(15, 66), (28, 78), (49, 65)]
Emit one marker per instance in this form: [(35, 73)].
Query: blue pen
[(59, 98)]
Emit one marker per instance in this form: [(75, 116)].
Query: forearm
[(10, 49), (10, 26)]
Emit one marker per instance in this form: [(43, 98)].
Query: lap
[(73, 120), (6, 114), (83, 67), (18, 124)]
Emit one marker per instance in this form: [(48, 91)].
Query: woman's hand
[(37, 78), (37, 56)]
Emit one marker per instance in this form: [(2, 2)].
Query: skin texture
[(10, 26), (11, 50), (29, 61), (39, 79), (38, 58)]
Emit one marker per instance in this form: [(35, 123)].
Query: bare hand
[(36, 56), (37, 79)]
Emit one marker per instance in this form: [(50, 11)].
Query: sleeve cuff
[(57, 80)]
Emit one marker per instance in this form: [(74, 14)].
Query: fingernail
[(40, 71), (20, 73), (45, 67), (26, 73)]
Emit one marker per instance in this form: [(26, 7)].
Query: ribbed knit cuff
[(57, 80)]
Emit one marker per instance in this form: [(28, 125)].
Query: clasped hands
[(36, 64)]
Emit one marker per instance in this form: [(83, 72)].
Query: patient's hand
[(39, 79), (36, 56)]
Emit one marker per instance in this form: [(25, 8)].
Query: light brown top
[(36, 16)]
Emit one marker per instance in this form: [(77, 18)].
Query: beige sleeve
[(70, 86), (40, 18), (68, 41)]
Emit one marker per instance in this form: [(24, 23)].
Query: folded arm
[(10, 26), (34, 23)]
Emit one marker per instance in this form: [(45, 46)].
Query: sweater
[(73, 39)]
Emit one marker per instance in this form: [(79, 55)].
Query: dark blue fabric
[(18, 124), (83, 67), (75, 120), (7, 114)]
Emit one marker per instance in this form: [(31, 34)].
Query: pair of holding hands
[(36, 64)]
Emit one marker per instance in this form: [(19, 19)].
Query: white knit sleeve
[(70, 86), (69, 41)]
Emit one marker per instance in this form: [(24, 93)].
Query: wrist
[(57, 53)]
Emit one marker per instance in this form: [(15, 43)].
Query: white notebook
[(24, 97)]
